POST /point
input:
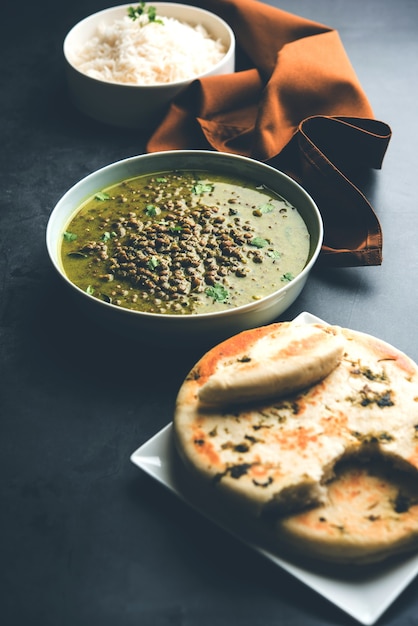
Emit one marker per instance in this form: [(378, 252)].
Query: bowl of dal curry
[(176, 245)]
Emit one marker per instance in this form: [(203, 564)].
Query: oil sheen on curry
[(184, 242)]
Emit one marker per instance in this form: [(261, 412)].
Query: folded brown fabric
[(296, 104)]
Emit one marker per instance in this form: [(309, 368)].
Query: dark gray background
[(86, 538)]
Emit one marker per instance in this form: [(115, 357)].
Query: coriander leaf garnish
[(153, 263), (200, 188), (102, 196), (69, 236), (151, 13), (152, 210), (217, 292), (259, 242), (266, 208), (106, 236), (161, 179), (134, 13), (286, 278), (90, 290), (274, 254)]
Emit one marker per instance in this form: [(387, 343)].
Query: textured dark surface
[(85, 538)]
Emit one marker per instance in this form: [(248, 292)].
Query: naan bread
[(269, 362), (370, 513), (279, 454)]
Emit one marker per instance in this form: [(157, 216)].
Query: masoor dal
[(126, 52)]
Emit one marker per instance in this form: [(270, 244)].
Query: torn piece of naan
[(271, 361)]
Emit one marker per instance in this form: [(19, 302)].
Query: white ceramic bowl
[(182, 329), (137, 106)]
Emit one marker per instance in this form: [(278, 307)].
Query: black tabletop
[(87, 538)]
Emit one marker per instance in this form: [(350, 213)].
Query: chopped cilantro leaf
[(266, 208), (286, 278), (151, 12), (153, 263), (152, 210), (259, 242), (218, 293), (201, 188), (106, 236), (69, 236), (102, 196)]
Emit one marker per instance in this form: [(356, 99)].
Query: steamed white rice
[(125, 52)]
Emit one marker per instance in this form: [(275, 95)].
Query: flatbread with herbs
[(278, 455), (370, 514)]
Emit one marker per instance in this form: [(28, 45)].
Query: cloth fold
[(296, 104)]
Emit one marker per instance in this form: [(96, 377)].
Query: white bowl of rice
[(127, 63)]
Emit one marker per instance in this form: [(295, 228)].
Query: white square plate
[(365, 596)]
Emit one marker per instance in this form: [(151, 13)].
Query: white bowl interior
[(174, 327), (137, 106)]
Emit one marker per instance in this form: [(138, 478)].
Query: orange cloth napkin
[(295, 103)]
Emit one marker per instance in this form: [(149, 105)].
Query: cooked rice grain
[(126, 52)]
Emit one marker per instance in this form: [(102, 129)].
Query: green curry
[(184, 242)]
